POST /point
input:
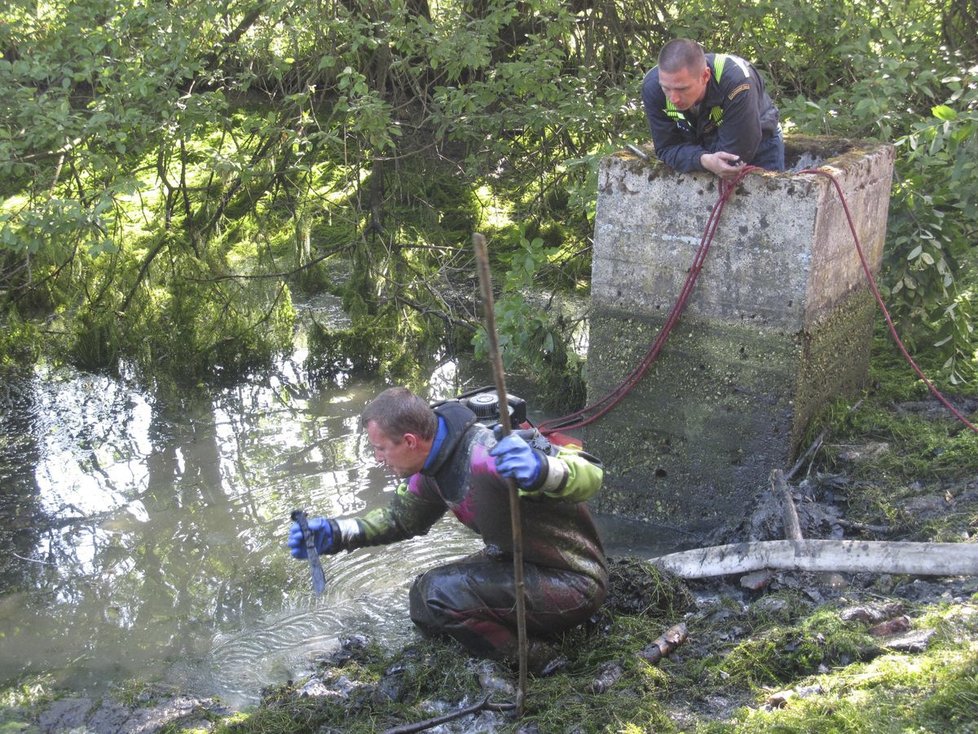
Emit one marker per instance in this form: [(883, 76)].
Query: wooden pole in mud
[(485, 282)]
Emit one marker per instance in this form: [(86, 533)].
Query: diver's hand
[(722, 164), (515, 459), (325, 534)]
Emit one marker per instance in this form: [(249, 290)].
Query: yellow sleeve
[(572, 476)]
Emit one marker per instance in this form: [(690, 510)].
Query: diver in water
[(451, 461)]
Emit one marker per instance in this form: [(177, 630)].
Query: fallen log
[(854, 556)]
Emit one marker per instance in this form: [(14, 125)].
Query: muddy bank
[(766, 651), (605, 671)]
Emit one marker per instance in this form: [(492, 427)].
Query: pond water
[(144, 537)]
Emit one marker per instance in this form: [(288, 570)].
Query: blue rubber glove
[(515, 459), (323, 530)]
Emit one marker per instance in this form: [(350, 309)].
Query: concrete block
[(779, 324)]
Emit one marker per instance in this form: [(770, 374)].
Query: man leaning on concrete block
[(710, 112)]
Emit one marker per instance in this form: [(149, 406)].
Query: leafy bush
[(533, 333), (932, 232), (925, 100), (299, 128)]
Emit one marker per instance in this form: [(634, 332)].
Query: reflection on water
[(143, 537), (366, 594)]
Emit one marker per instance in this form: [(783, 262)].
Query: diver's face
[(403, 455), (684, 88)]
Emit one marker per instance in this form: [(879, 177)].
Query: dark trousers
[(474, 601), (770, 153)]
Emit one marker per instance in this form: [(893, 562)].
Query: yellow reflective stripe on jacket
[(719, 60), (672, 112), (715, 113), (584, 478)]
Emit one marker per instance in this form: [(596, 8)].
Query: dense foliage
[(171, 173)]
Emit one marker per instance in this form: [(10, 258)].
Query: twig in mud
[(485, 703), (815, 445), (661, 647), (792, 528), (665, 644)]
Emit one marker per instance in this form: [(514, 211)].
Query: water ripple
[(366, 594)]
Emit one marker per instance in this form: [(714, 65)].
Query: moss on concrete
[(724, 404)]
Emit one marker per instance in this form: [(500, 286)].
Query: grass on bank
[(935, 691), (831, 675), (805, 653)]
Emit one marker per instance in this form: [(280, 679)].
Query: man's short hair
[(397, 411), (682, 53)]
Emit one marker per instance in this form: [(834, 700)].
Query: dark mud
[(365, 687)]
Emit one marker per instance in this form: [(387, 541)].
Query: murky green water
[(147, 539), (143, 537)]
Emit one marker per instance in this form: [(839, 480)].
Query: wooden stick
[(816, 445), (865, 527), (475, 708), (485, 281), (792, 528), (853, 556), (663, 646)]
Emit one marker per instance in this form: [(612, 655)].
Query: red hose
[(590, 413), (879, 300)]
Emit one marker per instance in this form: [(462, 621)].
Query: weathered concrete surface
[(779, 324), (781, 257)]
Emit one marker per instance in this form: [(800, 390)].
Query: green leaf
[(943, 112)]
